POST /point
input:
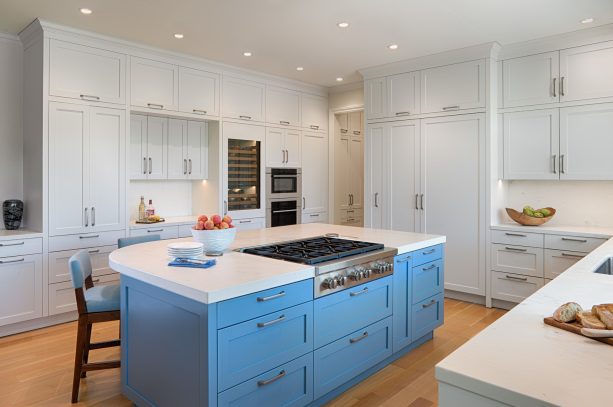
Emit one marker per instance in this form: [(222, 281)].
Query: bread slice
[(567, 312), (589, 320), (604, 312)]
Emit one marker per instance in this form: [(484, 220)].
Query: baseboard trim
[(38, 323), (456, 295), (502, 304)]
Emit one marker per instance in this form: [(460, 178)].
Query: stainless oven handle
[(285, 211), (284, 176), (303, 203)]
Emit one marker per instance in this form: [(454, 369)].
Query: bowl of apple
[(216, 233)]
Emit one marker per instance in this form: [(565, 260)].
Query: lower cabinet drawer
[(255, 346), (342, 360), (166, 232), (21, 288), (427, 280), (185, 230), (58, 263), (427, 255), (513, 287), (10, 248), (337, 315), (573, 243), (527, 261), (289, 385), (250, 224), (517, 238), (321, 217), (85, 240), (427, 315), (558, 261), (62, 296)]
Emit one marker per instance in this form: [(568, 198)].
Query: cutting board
[(575, 328)]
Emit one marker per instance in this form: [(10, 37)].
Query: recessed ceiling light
[(339, 79), (247, 54), (587, 20), (179, 36), (343, 25), (393, 47), (85, 11), (299, 68)]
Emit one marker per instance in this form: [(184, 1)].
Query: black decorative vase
[(12, 211)]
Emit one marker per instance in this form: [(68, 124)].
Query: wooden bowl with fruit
[(530, 216), (216, 233)]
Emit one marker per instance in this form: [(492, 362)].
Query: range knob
[(367, 273), (380, 267), (356, 275), (342, 280), (331, 283)]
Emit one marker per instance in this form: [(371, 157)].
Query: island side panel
[(169, 344)]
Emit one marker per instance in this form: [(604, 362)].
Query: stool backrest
[(80, 266), (129, 241)]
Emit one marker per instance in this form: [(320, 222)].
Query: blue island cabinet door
[(403, 303), (427, 280), (250, 348), (427, 315), (289, 385)]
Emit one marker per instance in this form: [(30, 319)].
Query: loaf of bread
[(567, 312), (604, 312), (589, 320)]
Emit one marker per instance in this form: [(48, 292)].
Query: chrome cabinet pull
[(190, 166), (94, 97), (184, 166), (314, 215), (405, 260), (144, 165), (89, 237), (554, 88), (514, 249), (428, 252), (356, 293), (432, 266), (271, 297), (269, 323), (562, 86), (376, 199), (570, 239), (93, 251), (244, 117), (86, 217), (553, 158), (421, 202), (359, 338), (244, 221), (416, 202), (154, 230), (356, 133), (284, 122), (314, 127), (285, 211), (562, 171), (515, 234), (286, 156), (12, 261), (274, 379), (12, 244), (428, 305), (93, 216), (402, 113), (225, 208), (456, 107), (198, 111), (516, 278), (155, 106), (303, 203), (344, 131), (574, 256), (150, 165)]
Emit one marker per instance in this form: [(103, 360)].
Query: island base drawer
[(342, 360), (558, 261), (427, 280), (11, 248), (427, 315), (288, 385), (514, 287), (427, 255)]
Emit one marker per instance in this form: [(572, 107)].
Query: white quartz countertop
[(583, 231), (18, 234), (168, 221), (520, 361), (239, 274)]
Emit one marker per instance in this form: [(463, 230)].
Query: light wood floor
[(36, 367)]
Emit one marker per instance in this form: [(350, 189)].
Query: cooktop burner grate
[(315, 250)]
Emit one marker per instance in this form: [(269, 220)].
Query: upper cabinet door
[(374, 182), (314, 174), (138, 147), (87, 73), (292, 148), (106, 160), (176, 153), (154, 84), (198, 92), (585, 72), (375, 98), (453, 87), (157, 138), (68, 169), (531, 80), (314, 112), (531, 144), (243, 99), (275, 147), (197, 150), (356, 171), (282, 106), (355, 120), (586, 143), (403, 94)]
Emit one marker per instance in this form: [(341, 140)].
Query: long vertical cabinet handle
[(184, 166), (150, 165), (562, 171), (93, 216), (225, 207), (562, 86), (554, 88), (376, 200), (416, 202), (286, 156), (421, 202), (190, 166), (303, 203), (554, 159), (86, 218), (145, 165)]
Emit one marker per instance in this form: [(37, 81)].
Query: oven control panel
[(344, 278)]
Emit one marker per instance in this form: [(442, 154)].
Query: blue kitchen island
[(251, 331)]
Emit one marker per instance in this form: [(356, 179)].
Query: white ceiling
[(284, 34)]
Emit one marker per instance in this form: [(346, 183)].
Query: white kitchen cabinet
[(314, 173), (154, 84), (403, 94), (453, 87), (196, 150), (59, 269), (282, 106), (375, 187), (586, 142), (375, 98), (86, 191), (250, 223), (319, 217), (349, 162), (177, 161), (282, 147), (351, 217), (526, 261), (198, 92), (62, 296), (314, 112), (531, 80), (137, 158), (21, 288), (513, 287), (531, 144), (585, 72), (243, 99), (558, 261), (355, 121), (86, 73), (165, 232), (148, 151)]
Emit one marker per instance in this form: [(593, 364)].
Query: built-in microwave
[(283, 183)]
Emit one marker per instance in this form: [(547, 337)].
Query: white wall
[(170, 198), (578, 203), (11, 151), (346, 97)]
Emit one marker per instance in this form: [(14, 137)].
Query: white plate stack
[(185, 249)]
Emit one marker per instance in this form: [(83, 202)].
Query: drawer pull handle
[(244, 221), (244, 117), (89, 237), (403, 260), (456, 107), (199, 111), (93, 251), (274, 379), (94, 97), (515, 234), (155, 106), (12, 244), (344, 131), (314, 127), (576, 256), (402, 113), (284, 122), (359, 338), (154, 230), (356, 133), (356, 293), (432, 266), (269, 323), (12, 261), (516, 278), (569, 239), (428, 305), (272, 297), (514, 249), (428, 252), (314, 215)]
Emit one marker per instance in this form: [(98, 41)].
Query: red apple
[(203, 218), (224, 225), (216, 219), (231, 226), (199, 226), (209, 225), (227, 219)]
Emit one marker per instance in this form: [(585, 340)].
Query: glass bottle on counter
[(150, 209), (141, 209)]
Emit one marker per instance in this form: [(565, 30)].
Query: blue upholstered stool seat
[(102, 298)]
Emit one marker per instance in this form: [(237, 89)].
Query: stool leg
[(78, 360), (88, 340)]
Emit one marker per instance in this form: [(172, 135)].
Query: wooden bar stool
[(95, 304)]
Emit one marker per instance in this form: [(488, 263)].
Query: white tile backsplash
[(170, 198)]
